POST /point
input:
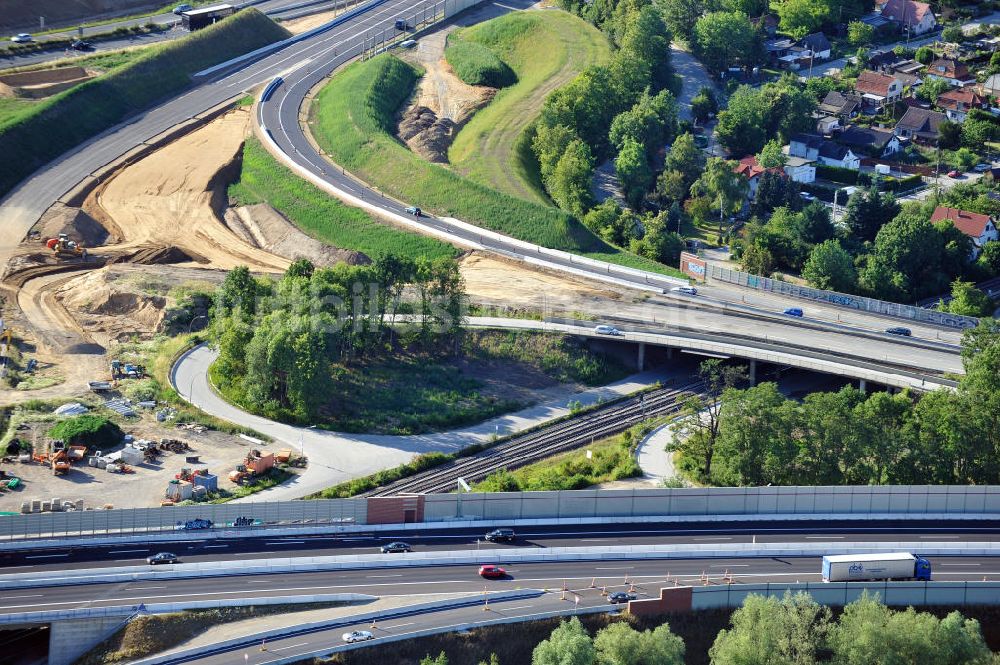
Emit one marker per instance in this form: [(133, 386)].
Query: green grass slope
[(353, 120), (263, 179), (546, 50), (478, 65), (28, 141)]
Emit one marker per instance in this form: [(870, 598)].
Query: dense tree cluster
[(623, 108), (755, 115), (277, 339), (755, 436), (618, 644), (785, 240)]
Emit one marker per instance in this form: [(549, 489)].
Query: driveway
[(693, 76)]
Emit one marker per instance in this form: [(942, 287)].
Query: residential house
[(818, 46), (883, 61), (869, 141), (750, 168), (835, 154), (908, 81), (843, 106), (800, 169), (877, 90), (920, 125), (909, 16), (778, 48), (957, 103), (954, 72), (805, 146), (827, 124), (979, 227), (910, 66), (991, 86)]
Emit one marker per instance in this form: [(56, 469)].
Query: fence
[(861, 303), (838, 594), (907, 500), (418, 19)]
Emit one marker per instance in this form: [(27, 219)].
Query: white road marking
[(46, 556), (127, 551), (959, 564), (35, 595), (825, 537), (373, 577), (214, 546), (939, 537), (617, 568), (519, 607), (730, 565), (712, 538), (290, 646), (143, 588), (400, 625)]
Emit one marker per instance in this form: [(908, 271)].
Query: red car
[(954, 174), (492, 572)]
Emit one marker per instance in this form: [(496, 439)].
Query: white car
[(22, 38), (689, 290), (807, 196), (357, 636), (608, 330)]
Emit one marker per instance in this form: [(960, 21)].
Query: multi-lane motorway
[(195, 548)]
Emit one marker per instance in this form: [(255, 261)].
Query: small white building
[(801, 169)]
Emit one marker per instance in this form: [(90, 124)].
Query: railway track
[(547, 441)]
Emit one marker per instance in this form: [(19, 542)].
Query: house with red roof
[(876, 90), (957, 103), (750, 168), (910, 16), (981, 228), (948, 69)]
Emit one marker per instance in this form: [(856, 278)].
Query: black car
[(162, 557), (905, 332), (500, 536), (401, 24), (620, 597), (80, 45), (396, 547)]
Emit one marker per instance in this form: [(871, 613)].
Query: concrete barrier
[(285, 565)]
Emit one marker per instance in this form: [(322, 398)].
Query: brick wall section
[(393, 509), (672, 599)]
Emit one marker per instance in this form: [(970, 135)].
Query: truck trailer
[(196, 19), (864, 567)]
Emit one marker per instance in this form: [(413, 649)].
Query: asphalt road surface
[(198, 549), (416, 581)]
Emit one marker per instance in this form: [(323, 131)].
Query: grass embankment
[(612, 458), (411, 391), (353, 121), (69, 118), (147, 635), (546, 50), (263, 179)]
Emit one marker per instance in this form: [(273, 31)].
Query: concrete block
[(68, 640)]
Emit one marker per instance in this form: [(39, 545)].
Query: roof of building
[(948, 68), (875, 20), (811, 140), (959, 98), (865, 137), (749, 167), (883, 58), (971, 224), (907, 67), (921, 121), (873, 83), (798, 161), (832, 150), (817, 41), (836, 103), (992, 82), (907, 12)]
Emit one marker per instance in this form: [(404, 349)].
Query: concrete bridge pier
[(71, 638), (862, 385), (640, 361), (753, 372)]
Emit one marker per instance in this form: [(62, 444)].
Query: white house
[(801, 169), (834, 154), (910, 16), (979, 227)]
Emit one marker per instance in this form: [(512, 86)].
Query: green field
[(264, 180), (13, 109), (353, 120), (546, 50), (63, 121)]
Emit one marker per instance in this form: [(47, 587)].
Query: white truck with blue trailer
[(866, 567)]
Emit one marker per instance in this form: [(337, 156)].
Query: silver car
[(357, 636), (608, 330)]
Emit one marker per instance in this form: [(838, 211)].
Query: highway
[(414, 581), (195, 548)]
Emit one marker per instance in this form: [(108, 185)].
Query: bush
[(837, 174), (67, 119), (89, 430), (478, 65)]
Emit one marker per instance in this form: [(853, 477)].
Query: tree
[(860, 34), (620, 644), (698, 426), (771, 156), (976, 132), (953, 34), (949, 134), (989, 259), (868, 211), (905, 262), (967, 300), (721, 38), (800, 17), (774, 190), (633, 171), (924, 56), (932, 88), (758, 260), (686, 158), (750, 450), (442, 659), (569, 644), (780, 108), (741, 127), (964, 159), (238, 294), (681, 16), (704, 105), (726, 188), (671, 186), (492, 661), (661, 242), (830, 267), (651, 121), (569, 184), (769, 631)]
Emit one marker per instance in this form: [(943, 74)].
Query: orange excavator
[(63, 246)]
